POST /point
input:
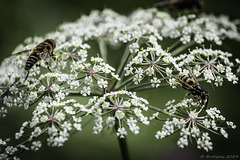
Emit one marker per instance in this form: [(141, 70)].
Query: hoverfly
[(43, 51), (180, 4), (191, 84)]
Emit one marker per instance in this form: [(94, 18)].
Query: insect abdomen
[(186, 79), (32, 59)]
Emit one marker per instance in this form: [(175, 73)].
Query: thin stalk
[(123, 63), (160, 119), (103, 49), (141, 87), (145, 86), (162, 111), (44, 93), (174, 45), (182, 48), (4, 94), (158, 110), (124, 60), (77, 93), (208, 129), (123, 147), (124, 83), (76, 79)]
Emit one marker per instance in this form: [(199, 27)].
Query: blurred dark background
[(23, 18)]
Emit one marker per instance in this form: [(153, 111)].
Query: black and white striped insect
[(191, 84), (43, 51)]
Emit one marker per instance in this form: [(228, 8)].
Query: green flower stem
[(158, 110), (141, 86), (77, 93), (3, 95), (182, 48), (145, 86), (172, 133), (123, 147), (103, 49), (22, 150), (200, 124), (44, 93), (80, 78), (162, 111), (28, 140), (174, 45), (161, 119), (124, 83), (6, 92), (124, 60)]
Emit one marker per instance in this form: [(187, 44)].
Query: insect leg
[(55, 57), (199, 100), (187, 94), (178, 83), (38, 65), (48, 66), (26, 76), (206, 101)]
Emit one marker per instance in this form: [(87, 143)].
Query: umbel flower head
[(212, 65), (154, 48), (193, 123), (56, 118), (120, 109), (152, 63)]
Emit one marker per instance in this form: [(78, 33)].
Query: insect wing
[(182, 82), (162, 4), (22, 52), (192, 74), (44, 55)]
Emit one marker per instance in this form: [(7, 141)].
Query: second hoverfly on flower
[(191, 84)]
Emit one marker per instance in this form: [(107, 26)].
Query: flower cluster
[(154, 50), (238, 65), (93, 72), (212, 65), (190, 27), (152, 62), (57, 119), (187, 118), (120, 109)]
